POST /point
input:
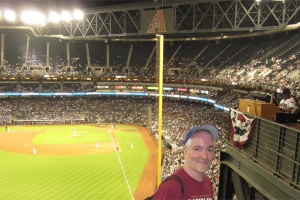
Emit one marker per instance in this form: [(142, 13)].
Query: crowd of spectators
[(65, 109), (8, 87), (33, 87), (231, 98), (72, 87), (46, 87), (51, 87), (265, 62)]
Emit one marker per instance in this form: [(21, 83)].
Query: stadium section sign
[(157, 21)]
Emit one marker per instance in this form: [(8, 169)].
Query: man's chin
[(202, 169)]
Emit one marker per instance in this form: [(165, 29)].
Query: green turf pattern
[(43, 177)]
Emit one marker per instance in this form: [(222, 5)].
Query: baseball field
[(77, 162)]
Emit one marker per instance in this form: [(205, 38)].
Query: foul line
[(121, 165)]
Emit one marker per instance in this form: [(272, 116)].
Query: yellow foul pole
[(159, 57)]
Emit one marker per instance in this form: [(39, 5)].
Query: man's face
[(200, 154)]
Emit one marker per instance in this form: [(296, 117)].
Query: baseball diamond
[(68, 166)]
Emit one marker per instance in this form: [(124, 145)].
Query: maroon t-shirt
[(193, 189)]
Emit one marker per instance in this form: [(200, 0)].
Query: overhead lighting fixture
[(54, 17), (78, 15), (9, 15), (66, 16), (32, 17)]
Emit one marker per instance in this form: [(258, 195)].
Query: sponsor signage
[(182, 89), (137, 87), (120, 87)]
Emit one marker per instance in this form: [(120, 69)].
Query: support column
[(47, 52), (27, 49), (2, 49), (88, 54), (68, 53), (107, 55), (129, 56)]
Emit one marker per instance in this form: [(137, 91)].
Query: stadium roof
[(93, 3), (192, 19), (68, 3)]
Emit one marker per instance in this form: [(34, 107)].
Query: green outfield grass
[(26, 176)]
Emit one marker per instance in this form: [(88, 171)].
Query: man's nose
[(203, 154)]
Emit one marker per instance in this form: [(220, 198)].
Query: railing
[(277, 148)]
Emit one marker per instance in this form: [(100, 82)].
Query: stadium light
[(10, 15), (54, 17), (38, 18), (66, 16), (78, 15), (32, 17)]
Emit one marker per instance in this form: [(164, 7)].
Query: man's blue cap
[(207, 127)]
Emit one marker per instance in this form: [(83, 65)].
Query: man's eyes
[(210, 150), (198, 149)]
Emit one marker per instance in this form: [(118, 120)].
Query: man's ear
[(185, 150)]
